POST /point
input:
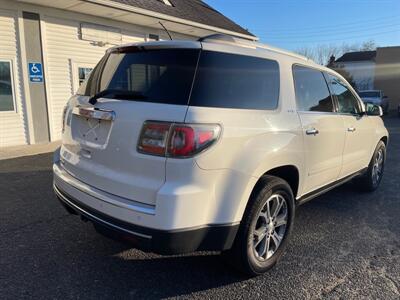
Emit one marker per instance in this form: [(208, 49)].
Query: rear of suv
[(179, 146)]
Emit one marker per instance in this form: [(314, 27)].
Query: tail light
[(176, 140), (153, 139)]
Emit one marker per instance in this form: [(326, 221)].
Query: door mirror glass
[(373, 110)]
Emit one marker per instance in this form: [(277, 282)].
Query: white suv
[(178, 146)]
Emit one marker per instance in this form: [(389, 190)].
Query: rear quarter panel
[(253, 142)]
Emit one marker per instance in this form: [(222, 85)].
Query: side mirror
[(373, 110), (385, 97)]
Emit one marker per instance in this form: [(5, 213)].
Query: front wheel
[(372, 178), (265, 227)]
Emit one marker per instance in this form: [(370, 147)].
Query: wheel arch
[(385, 139), (290, 173)]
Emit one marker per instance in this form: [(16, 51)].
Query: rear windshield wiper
[(116, 94)]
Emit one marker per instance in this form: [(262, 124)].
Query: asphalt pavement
[(345, 245)]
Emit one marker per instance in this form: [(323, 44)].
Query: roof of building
[(357, 56), (192, 10)]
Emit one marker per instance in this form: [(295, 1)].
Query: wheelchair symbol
[(35, 72), (35, 69)]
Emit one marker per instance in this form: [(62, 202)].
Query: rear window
[(235, 81), (161, 76), (169, 76)]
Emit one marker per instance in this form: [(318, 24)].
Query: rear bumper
[(212, 237)]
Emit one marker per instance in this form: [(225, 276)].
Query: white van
[(179, 146)]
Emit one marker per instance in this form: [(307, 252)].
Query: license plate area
[(91, 127)]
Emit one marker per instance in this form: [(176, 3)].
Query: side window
[(347, 102), (236, 81), (6, 87), (312, 93)]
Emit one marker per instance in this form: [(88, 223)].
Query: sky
[(294, 24)]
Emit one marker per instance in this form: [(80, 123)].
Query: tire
[(370, 181), (247, 251)]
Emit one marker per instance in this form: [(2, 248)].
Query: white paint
[(214, 186)]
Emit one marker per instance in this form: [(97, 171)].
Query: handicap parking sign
[(35, 72)]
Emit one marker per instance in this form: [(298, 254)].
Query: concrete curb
[(27, 150)]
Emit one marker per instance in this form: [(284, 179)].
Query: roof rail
[(228, 39), (282, 51)]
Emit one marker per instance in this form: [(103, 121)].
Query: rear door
[(100, 140), (323, 129), (358, 127)]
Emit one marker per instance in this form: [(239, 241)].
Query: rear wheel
[(371, 180), (265, 228)]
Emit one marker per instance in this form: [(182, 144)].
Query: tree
[(322, 53), (368, 46), (342, 71)]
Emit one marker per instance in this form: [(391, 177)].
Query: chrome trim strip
[(317, 112), (326, 188), (328, 113), (101, 195), (59, 194), (94, 113)]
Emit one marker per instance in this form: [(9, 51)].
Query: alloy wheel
[(270, 227), (377, 167)]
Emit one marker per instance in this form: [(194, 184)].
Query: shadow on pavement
[(46, 253)]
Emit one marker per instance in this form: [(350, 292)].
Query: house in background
[(48, 47), (360, 66), (387, 74), (379, 70)]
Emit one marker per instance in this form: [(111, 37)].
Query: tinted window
[(163, 76), (347, 102), (6, 90), (369, 94), (312, 93), (235, 81)]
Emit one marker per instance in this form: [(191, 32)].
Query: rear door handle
[(312, 131), (351, 129)]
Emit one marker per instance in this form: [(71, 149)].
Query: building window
[(6, 87), (154, 37), (83, 74)]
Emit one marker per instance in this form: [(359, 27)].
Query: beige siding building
[(48, 47), (375, 70), (387, 77)]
